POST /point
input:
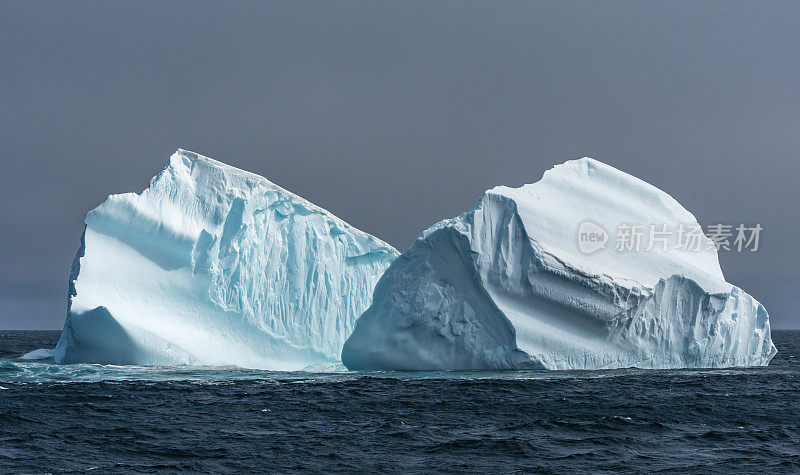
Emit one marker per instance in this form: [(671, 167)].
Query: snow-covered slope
[(217, 266), (506, 285)]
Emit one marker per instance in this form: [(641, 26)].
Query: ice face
[(212, 265), (509, 285)]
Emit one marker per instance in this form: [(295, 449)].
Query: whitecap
[(40, 354)]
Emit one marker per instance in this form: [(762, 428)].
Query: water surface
[(119, 418)]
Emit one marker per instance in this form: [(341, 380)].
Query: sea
[(102, 418)]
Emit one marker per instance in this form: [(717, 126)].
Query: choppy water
[(111, 418)]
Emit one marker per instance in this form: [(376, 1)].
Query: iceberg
[(212, 265), (532, 277)]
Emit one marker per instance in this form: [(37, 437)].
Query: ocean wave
[(40, 354)]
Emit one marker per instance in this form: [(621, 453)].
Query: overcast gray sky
[(394, 115)]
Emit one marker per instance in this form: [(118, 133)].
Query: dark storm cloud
[(394, 115)]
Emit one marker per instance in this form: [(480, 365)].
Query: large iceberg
[(212, 265), (532, 277)]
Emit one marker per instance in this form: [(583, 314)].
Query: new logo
[(591, 237)]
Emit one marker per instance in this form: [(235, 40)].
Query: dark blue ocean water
[(105, 418)]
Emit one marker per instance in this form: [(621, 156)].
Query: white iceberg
[(213, 265), (509, 284)]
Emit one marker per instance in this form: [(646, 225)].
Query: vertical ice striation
[(217, 266), (506, 285)]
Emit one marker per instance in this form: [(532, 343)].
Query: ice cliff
[(506, 285), (212, 265)]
